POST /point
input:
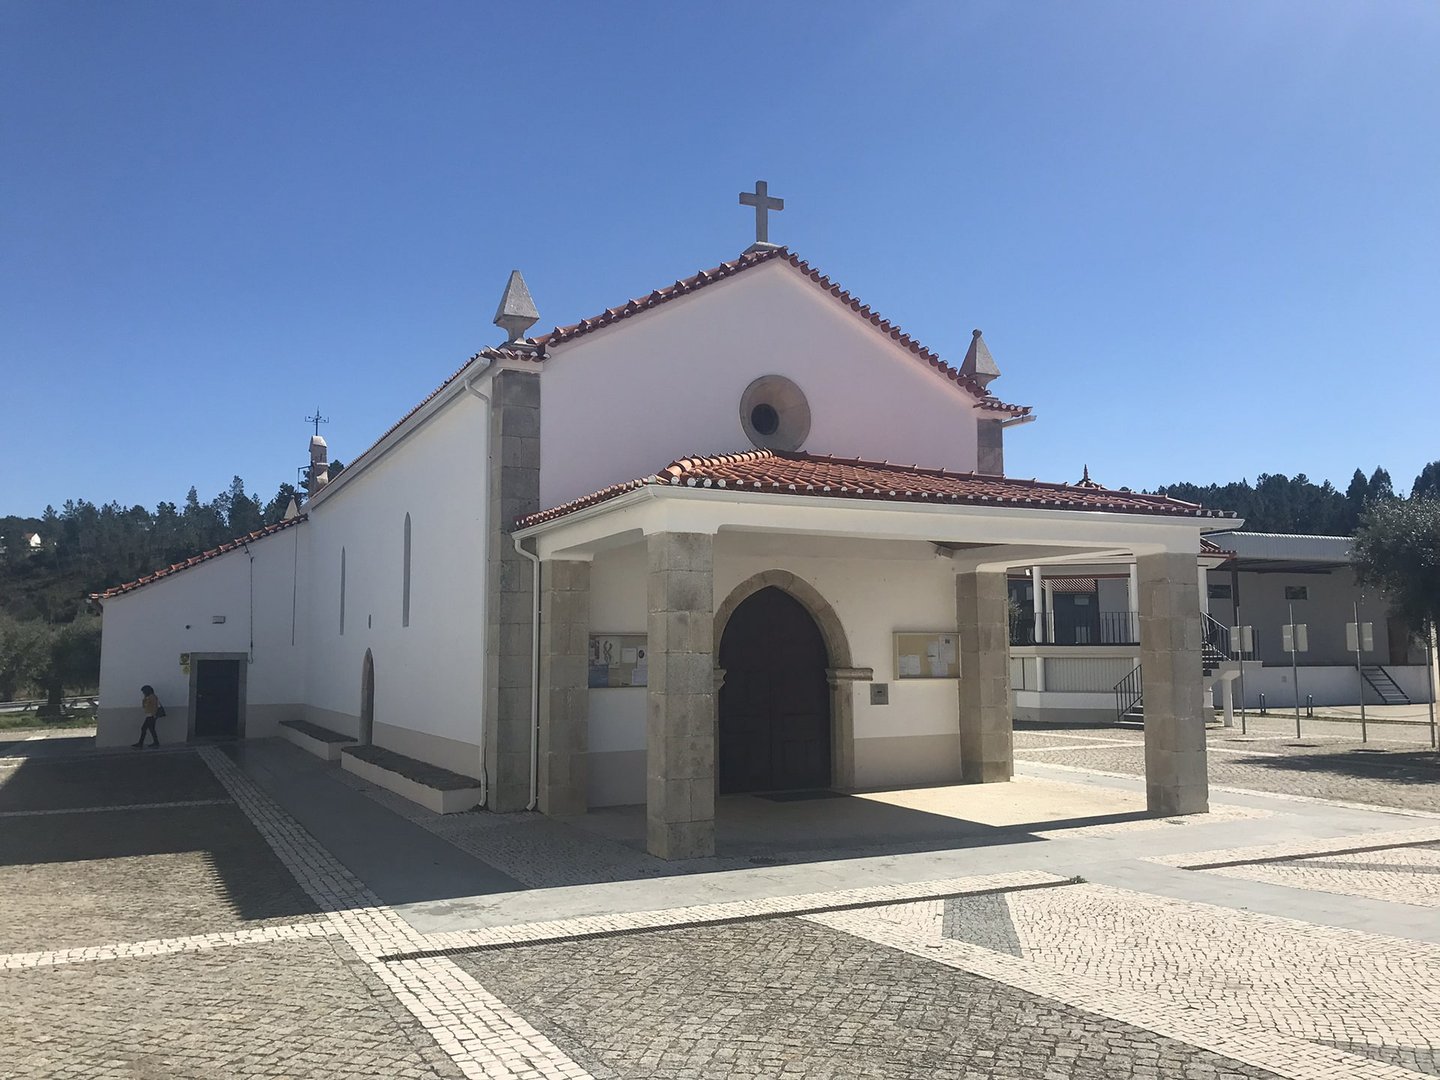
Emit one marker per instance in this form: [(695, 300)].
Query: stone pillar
[(514, 490), (680, 719), (986, 743), (1227, 700), (1173, 684), (564, 686), (990, 448)]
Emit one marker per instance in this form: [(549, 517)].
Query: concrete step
[(434, 788), (314, 739)]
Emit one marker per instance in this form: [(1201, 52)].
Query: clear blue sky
[(1201, 238)]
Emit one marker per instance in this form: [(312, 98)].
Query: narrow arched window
[(405, 598), (342, 590)]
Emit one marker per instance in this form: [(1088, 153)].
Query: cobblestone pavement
[(782, 997), (307, 1009), (1395, 774), (1272, 992), (164, 918)]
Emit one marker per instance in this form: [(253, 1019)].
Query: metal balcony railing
[(1068, 628)]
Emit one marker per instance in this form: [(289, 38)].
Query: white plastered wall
[(671, 381), (429, 676), (875, 589), (146, 631)]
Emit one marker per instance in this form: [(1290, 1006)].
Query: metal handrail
[(1129, 692)]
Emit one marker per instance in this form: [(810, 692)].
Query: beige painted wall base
[(907, 761), (326, 751), (615, 778), (441, 802), (452, 754), (346, 724), (121, 726)]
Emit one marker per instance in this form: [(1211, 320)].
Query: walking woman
[(153, 709)]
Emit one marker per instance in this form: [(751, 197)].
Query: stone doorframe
[(242, 689), (840, 674)]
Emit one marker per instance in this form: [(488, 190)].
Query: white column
[(1227, 700), (1134, 599), (1204, 591)]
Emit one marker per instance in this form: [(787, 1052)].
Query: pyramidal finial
[(1085, 481), (979, 364), (516, 312), (292, 511)]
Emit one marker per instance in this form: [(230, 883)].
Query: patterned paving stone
[(1316, 983), (96, 878), (1402, 875), (105, 780), (785, 997), (298, 1010), (1417, 1059), (1341, 771)]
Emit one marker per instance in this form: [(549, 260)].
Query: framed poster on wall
[(921, 654), (618, 660)]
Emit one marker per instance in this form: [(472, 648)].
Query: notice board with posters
[(618, 660), (926, 654)]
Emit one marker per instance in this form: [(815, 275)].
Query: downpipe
[(485, 562)]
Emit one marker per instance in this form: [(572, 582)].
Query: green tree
[(1427, 484), (1381, 486), (72, 661), (1397, 548), (24, 648)]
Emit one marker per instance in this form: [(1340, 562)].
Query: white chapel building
[(740, 534)]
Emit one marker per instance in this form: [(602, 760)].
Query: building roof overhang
[(976, 536)]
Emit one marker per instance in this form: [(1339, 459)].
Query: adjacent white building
[(663, 554)]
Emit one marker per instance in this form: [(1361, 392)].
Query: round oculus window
[(764, 419), (775, 414)]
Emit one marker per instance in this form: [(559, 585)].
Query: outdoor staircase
[(1215, 652), (1381, 682)]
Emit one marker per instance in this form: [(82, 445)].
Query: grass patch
[(29, 721)]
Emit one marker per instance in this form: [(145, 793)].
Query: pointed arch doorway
[(366, 734), (774, 708)]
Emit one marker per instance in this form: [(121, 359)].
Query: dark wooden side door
[(217, 698), (775, 702)]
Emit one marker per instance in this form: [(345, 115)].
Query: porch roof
[(980, 521), (780, 473)]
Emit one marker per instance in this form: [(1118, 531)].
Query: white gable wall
[(429, 686), (627, 400), (145, 632)]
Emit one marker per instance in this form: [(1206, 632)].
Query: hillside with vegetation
[(50, 640)]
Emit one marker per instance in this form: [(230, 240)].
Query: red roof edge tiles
[(775, 473), (196, 560), (684, 286), (535, 350)]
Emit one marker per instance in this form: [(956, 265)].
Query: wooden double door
[(775, 701)]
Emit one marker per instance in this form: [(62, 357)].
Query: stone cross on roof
[(762, 202)]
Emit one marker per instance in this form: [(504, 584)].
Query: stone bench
[(434, 788), (322, 742)]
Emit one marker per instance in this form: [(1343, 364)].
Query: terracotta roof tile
[(196, 560), (684, 286), (773, 472), (536, 349)]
